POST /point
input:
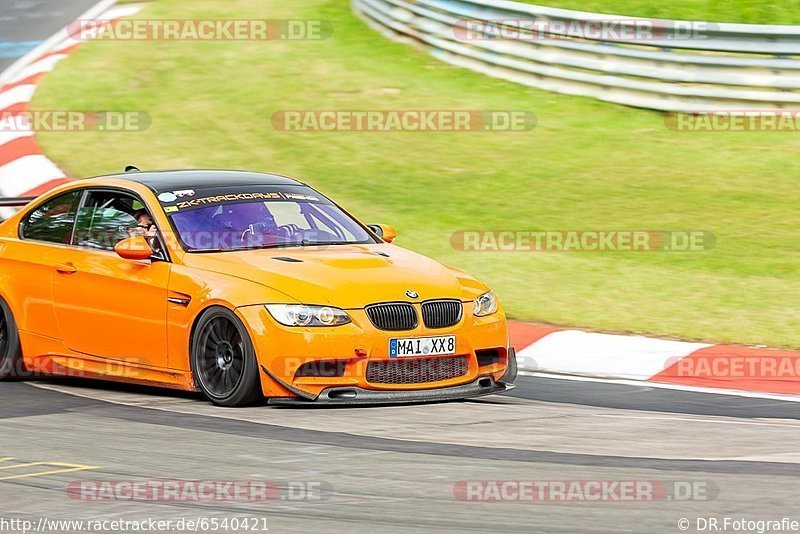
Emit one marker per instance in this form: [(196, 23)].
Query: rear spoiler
[(15, 202)]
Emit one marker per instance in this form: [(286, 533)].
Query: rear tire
[(11, 363), (223, 359)]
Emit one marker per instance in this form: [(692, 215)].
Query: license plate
[(422, 346)]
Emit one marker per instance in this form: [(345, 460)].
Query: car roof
[(162, 181)]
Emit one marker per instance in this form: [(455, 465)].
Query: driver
[(145, 226)]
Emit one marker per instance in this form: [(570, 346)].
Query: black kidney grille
[(393, 316), (442, 313), (416, 370)]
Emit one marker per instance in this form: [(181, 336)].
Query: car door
[(45, 234), (107, 306)]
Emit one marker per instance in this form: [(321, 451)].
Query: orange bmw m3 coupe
[(244, 286)]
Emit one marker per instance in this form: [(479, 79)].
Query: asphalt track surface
[(396, 468), (25, 23), (393, 468)]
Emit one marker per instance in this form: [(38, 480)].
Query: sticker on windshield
[(221, 199), (182, 199), (301, 196)]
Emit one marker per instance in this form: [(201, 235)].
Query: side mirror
[(134, 248), (384, 231)]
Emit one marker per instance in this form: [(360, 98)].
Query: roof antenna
[(131, 168)]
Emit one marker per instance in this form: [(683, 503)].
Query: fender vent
[(287, 259)]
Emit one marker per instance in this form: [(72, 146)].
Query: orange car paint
[(91, 313)]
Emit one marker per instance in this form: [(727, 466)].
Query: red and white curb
[(24, 169), (545, 349)]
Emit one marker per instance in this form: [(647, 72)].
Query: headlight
[(486, 304), (302, 315)]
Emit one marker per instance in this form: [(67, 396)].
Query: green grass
[(587, 165), (747, 11)]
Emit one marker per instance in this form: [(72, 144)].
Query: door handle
[(66, 268)]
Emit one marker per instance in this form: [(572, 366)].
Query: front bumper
[(282, 351), (347, 396)]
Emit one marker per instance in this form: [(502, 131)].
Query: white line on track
[(660, 385)]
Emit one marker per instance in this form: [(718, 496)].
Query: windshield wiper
[(273, 245), (305, 244), (323, 243)]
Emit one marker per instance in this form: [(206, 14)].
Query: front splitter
[(346, 396)]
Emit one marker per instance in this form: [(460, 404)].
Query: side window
[(52, 221), (105, 219)]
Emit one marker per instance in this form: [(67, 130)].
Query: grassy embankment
[(587, 165)]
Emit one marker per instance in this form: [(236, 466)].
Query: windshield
[(224, 219)]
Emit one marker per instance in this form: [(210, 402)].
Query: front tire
[(223, 359), (11, 364)]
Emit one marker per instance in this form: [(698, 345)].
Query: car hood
[(346, 276)]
